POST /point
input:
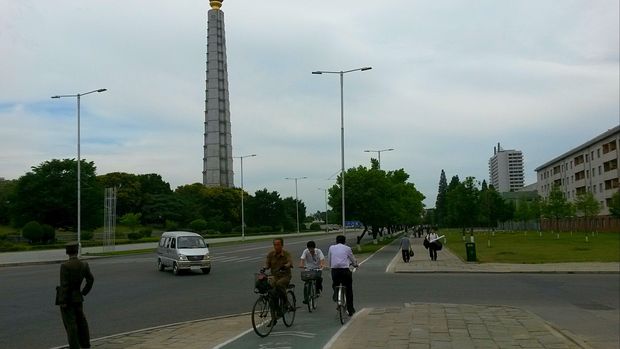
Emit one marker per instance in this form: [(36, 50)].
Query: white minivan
[(183, 250)]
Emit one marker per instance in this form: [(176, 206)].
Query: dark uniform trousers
[(72, 274)]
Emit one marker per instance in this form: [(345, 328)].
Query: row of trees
[(468, 203), (47, 195)]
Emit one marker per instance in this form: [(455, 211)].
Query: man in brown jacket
[(70, 297), (279, 262)]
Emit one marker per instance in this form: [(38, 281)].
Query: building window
[(611, 184), (607, 147), (578, 160), (610, 165), (598, 152), (594, 189), (580, 175)]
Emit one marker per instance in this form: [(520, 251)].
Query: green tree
[(452, 198), (198, 225), (440, 203), (588, 206), (48, 195), (7, 192), (614, 205), (378, 199), (129, 191), (264, 209), (289, 218), (158, 208), (49, 233), (555, 206), (191, 198), (522, 211), (131, 220), (33, 232), (463, 203)]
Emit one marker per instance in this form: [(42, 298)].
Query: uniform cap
[(72, 247)]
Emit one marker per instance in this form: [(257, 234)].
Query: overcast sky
[(450, 80)]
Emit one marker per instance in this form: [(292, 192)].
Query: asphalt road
[(130, 294)]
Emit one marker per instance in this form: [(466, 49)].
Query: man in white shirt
[(313, 258), (340, 257)]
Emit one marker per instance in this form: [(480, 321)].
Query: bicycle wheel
[(309, 296), (312, 300), (342, 304), (261, 317), (289, 309)]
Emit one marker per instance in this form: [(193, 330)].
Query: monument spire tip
[(216, 4)]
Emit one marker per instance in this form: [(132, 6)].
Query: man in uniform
[(70, 297), (280, 263)]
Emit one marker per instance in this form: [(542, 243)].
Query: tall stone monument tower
[(217, 170)]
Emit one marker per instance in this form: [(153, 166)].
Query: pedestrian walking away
[(70, 296), (340, 257), (405, 247)]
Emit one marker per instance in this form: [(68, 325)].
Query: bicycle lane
[(309, 330)]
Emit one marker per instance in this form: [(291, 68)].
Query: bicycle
[(309, 276), (341, 300), (263, 316)]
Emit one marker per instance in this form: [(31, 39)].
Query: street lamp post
[(378, 153), (79, 198), (296, 200), (326, 223), (242, 194), (341, 73)]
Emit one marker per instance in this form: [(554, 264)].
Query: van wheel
[(160, 265), (175, 269), (206, 270)]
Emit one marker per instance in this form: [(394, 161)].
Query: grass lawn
[(372, 248), (534, 247)]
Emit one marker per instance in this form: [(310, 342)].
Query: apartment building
[(590, 167), (506, 169)]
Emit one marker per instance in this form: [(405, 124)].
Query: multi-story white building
[(506, 169), (590, 167)]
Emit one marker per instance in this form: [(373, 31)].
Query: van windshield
[(190, 242)]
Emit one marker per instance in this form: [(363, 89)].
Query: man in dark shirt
[(280, 262), (70, 297)]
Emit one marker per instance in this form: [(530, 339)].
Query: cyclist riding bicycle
[(340, 256), (313, 258), (280, 263)]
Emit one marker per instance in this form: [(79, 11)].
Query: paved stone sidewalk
[(199, 334), (444, 326)]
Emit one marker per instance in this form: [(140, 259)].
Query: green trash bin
[(470, 248)]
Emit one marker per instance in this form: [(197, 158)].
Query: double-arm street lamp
[(79, 207), (296, 200), (341, 73), (242, 194), (378, 153)]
